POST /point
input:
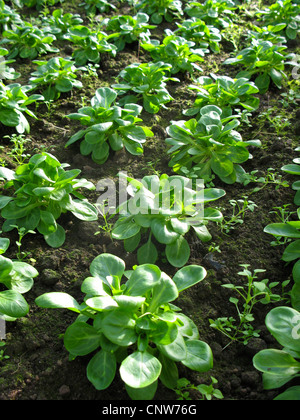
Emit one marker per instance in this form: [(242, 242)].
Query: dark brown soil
[(38, 367)]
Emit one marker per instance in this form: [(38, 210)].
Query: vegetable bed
[(168, 304)]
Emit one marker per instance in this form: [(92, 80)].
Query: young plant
[(281, 366), (109, 126), (8, 17), (271, 33), (3, 356), (210, 145), (285, 13), (177, 51), (208, 392), (147, 82), (128, 29), (59, 22), (250, 295), (42, 191), (89, 44), (17, 277), (39, 4), (206, 37), (128, 318), (165, 208), (92, 7), (28, 41), (161, 9), (265, 59), (224, 92), (13, 106), (56, 76), (18, 151), (270, 178), (218, 13), (239, 208)]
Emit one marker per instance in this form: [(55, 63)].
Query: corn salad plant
[(55, 76), (14, 103), (206, 37), (165, 209), (263, 60), (158, 10), (109, 127), (59, 22), (28, 41), (282, 12), (146, 82), (177, 51), (128, 29), (43, 190), (38, 4), (218, 13), (224, 92), (209, 146), (93, 7), (8, 17), (128, 318), (89, 45)]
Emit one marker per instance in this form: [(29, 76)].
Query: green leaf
[(276, 362), (292, 251), (58, 300), (81, 339), (13, 304), (169, 373), (176, 351), (189, 276), (4, 245), (163, 231), (276, 76), (126, 230), (83, 210), (102, 303), (147, 253), (101, 369), (199, 356), (262, 82), (119, 327), (94, 286), (144, 278), (221, 165), (142, 394), (291, 394), (6, 266), (140, 369), (178, 252), (107, 265), (57, 238), (282, 229), (105, 97), (296, 272), (163, 292), (284, 324), (132, 243)]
